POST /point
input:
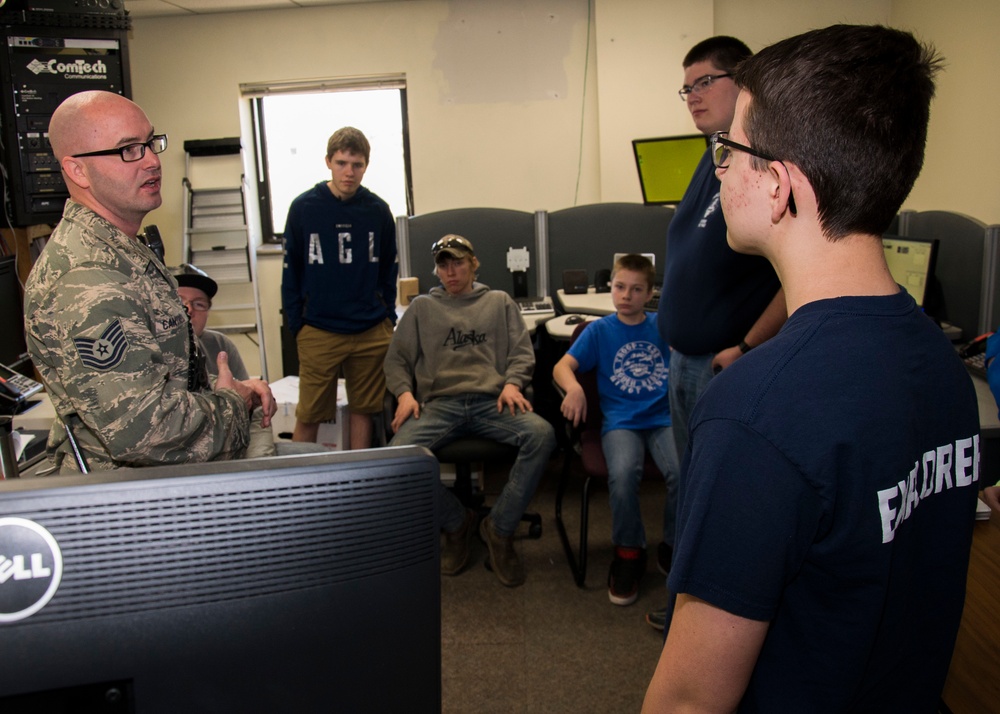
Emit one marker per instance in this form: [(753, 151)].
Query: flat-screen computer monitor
[(13, 349), (911, 262), (288, 584), (666, 165)]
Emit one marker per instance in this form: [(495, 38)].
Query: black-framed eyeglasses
[(722, 150), (132, 152), (700, 85)]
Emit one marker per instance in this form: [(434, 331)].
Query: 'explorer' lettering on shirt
[(946, 467)]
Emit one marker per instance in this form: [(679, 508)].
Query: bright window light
[(297, 127)]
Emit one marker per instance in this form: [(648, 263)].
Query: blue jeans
[(625, 452), (689, 377), (446, 419)]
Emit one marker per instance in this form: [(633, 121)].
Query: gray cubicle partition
[(492, 231), (965, 269), (993, 285), (893, 229), (587, 237)]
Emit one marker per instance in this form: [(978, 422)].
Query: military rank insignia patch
[(107, 351)]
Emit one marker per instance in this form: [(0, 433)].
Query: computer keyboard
[(974, 355), (534, 305), (653, 304), (976, 364)]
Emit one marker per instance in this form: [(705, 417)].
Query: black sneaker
[(664, 557), (626, 572)]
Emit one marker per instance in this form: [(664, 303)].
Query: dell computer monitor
[(303, 583), (911, 262), (666, 165), (13, 349)]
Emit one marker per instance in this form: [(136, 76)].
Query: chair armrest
[(572, 432)]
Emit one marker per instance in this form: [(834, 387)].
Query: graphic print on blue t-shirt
[(632, 372), (638, 367)]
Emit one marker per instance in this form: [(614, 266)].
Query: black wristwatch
[(744, 347)]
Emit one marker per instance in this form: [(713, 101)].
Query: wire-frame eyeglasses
[(700, 85)]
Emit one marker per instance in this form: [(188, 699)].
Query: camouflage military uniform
[(111, 340)]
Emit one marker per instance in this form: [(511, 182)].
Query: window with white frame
[(292, 122)]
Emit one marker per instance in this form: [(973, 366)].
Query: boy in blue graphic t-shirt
[(632, 364)]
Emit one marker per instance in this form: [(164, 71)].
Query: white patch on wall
[(510, 51)]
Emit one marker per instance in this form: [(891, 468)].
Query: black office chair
[(463, 453)]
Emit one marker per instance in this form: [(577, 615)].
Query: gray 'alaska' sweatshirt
[(447, 345)]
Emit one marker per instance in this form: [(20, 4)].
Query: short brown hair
[(849, 105), (723, 51), (348, 139), (637, 264)]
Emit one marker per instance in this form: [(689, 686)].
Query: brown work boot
[(457, 546), (503, 558)]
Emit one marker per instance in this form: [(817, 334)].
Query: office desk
[(973, 683), (533, 319), (35, 422), (562, 332), (39, 417), (989, 435), (593, 303), (989, 421)]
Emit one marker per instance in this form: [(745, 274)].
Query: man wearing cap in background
[(196, 290), (458, 364)]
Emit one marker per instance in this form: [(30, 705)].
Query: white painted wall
[(510, 107)]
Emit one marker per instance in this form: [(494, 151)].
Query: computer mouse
[(574, 319)]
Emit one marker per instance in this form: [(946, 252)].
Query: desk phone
[(974, 357), (15, 387)]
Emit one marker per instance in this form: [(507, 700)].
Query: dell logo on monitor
[(30, 568)]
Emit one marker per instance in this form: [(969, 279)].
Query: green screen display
[(666, 165)]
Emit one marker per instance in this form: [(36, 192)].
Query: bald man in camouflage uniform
[(105, 326)]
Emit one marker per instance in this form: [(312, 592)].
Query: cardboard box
[(408, 289), (334, 434)]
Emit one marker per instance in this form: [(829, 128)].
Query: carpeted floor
[(549, 646)]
